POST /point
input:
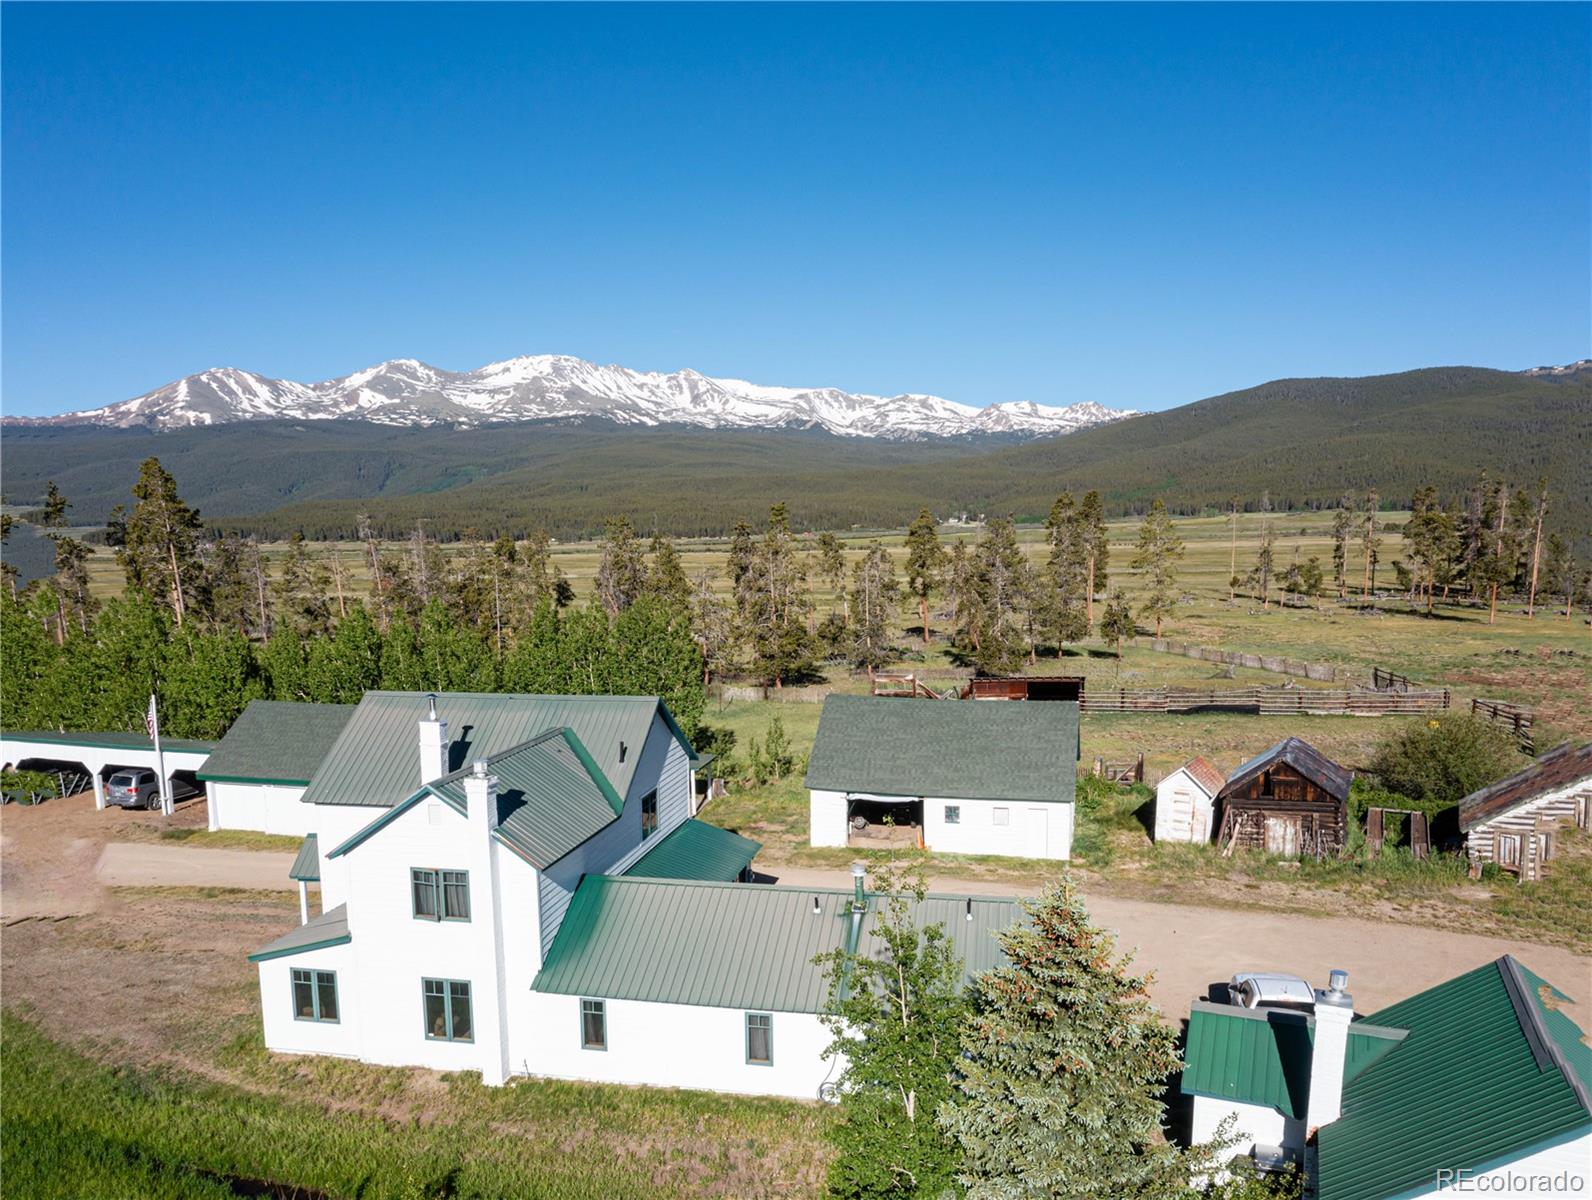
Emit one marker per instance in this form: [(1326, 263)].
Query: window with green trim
[(593, 1025), (440, 895), (649, 815), (760, 1039), (314, 995), (447, 1007), (953, 814)]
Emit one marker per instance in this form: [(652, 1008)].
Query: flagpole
[(160, 758)]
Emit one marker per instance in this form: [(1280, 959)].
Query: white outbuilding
[(958, 776), (256, 776), (1185, 800)]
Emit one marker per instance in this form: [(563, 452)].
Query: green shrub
[(1437, 761)]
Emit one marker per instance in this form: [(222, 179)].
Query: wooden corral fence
[(1320, 672), (1123, 774), (1519, 720), (1283, 701), (1390, 681)]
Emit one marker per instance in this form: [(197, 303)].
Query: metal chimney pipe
[(859, 873)]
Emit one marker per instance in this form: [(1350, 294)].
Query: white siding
[(1557, 809), (265, 807), (1042, 830), (679, 1045), (334, 825), (1182, 810), (1254, 1124), (827, 817), (283, 1031)]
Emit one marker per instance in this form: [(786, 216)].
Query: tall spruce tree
[(926, 561), (621, 569), (1063, 1062), (159, 549), (666, 577), (773, 604), (1092, 517), (999, 596), (875, 596), (1158, 555)]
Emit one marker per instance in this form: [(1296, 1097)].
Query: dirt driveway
[(1190, 947)]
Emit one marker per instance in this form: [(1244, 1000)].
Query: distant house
[(1289, 800), (955, 776), (1460, 1089), (1185, 801), (1513, 822), (256, 776)]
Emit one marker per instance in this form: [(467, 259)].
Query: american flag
[(151, 720)]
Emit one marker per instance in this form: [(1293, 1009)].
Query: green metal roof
[(1489, 1071), (277, 741), (967, 749), (307, 866), (697, 850), (1262, 1056), (328, 929), (731, 945), (107, 740), (375, 760)]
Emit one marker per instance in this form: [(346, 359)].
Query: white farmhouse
[(1512, 822), (256, 776), (1184, 801), (514, 886), (1468, 1087), (959, 776)]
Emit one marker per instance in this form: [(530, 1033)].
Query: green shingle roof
[(277, 741), (307, 866), (731, 945), (1490, 1070), (106, 740), (375, 760), (962, 749), (328, 929), (1262, 1056), (697, 850)]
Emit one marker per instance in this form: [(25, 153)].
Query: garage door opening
[(878, 824)]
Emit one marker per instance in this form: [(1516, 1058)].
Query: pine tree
[(832, 569), (1538, 514), (621, 570), (1000, 597), (1158, 554), (1064, 598), (894, 1013), (160, 544), (300, 591), (543, 578), (742, 552), (875, 595), (1116, 622), (1265, 563), (1062, 1066), (773, 604), (1342, 530), (75, 604), (713, 625), (666, 575), (1092, 518), (926, 560), (1370, 543)]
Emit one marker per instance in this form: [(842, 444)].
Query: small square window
[(593, 1025), (953, 814), (1003, 816), (760, 1039), (314, 995)]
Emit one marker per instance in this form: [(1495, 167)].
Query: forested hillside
[(1301, 442)]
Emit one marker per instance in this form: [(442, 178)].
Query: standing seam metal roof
[(697, 850), (959, 749), (375, 760), (1475, 1082), (307, 865), (277, 741), (731, 945)]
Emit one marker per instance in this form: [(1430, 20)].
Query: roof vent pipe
[(815, 906), (431, 706), (859, 873), (970, 908)]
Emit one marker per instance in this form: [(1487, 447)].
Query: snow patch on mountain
[(545, 387)]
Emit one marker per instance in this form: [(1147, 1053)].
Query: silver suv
[(133, 789)]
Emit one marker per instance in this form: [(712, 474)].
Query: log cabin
[(1290, 800)]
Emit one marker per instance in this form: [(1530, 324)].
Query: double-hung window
[(593, 1025), (440, 895), (447, 1009), (760, 1039), (649, 814), (314, 995)]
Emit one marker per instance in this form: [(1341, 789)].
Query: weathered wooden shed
[(1023, 687), (1290, 800), (1512, 822)]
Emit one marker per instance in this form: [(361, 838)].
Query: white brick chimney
[(1334, 1012), (433, 742), (486, 923)]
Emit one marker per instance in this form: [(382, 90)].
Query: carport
[(102, 754)]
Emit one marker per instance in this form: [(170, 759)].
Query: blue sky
[(1137, 205)]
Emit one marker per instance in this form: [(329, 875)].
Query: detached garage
[(257, 774), (948, 775)]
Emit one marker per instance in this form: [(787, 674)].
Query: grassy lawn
[(232, 839), (76, 1128)]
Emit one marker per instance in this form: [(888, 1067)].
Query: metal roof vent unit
[(859, 874), (816, 909), (1328, 1052), (481, 766), (622, 749), (970, 908), (433, 742)]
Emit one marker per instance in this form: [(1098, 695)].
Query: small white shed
[(1185, 801), (256, 777)]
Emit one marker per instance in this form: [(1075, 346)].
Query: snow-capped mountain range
[(554, 387)]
